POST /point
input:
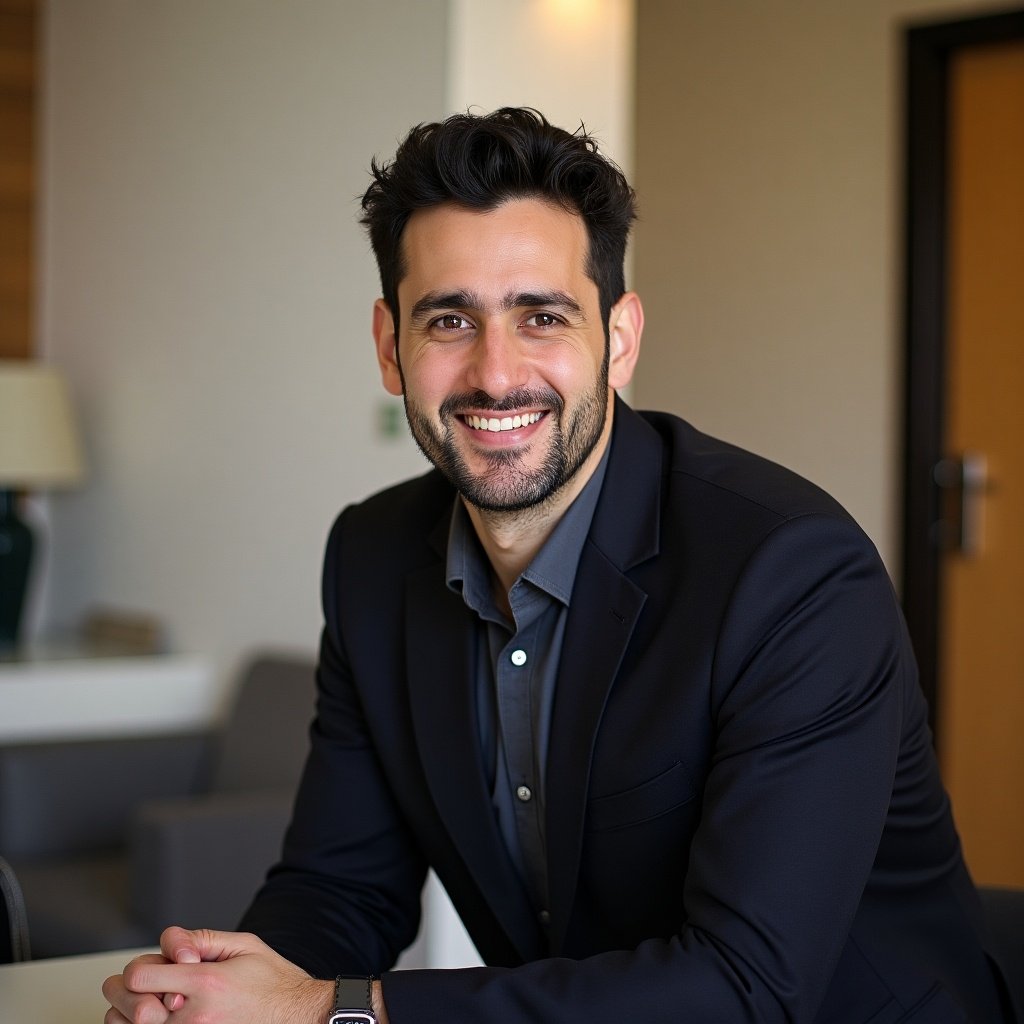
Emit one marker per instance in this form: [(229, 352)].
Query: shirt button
[(519, 658), (524, 793)]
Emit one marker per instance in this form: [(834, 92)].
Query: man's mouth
[(495, 423)]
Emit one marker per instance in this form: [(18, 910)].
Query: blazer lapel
[(605, 607), (443, 702)]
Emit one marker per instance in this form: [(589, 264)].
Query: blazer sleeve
[(345, 897), (811, 663)]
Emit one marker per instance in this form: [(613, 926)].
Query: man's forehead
[(521, 245)]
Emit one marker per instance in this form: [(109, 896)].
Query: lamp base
[(15, 559)]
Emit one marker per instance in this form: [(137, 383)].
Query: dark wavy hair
[(482, 161)]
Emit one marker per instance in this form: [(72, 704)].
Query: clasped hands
[(215, 978)]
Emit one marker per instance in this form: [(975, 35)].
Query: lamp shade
[(39, 446)]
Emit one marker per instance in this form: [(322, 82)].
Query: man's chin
[(508, 495), (500, 480)]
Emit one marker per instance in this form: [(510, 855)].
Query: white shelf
[(47, 697)]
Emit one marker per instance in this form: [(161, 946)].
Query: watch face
[(351, 1017)]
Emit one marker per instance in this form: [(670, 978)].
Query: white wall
[(207, 287), (769, 251), (571, 59)]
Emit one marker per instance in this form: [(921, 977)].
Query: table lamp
[(38, 449)]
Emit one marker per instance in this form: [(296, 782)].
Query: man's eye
[(452, 322), (542, 320)]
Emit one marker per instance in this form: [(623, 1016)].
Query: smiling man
[(510, 422), (644, 701), (507, 363)]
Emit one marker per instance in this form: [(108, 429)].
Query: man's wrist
[(319, 1001), (377, 1002)]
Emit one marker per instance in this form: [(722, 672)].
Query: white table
[(62, 990)]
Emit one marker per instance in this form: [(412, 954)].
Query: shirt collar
[(553, 568)]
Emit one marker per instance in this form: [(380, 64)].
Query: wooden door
[(981, 609)]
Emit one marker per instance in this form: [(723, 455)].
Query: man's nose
[(497, 365)]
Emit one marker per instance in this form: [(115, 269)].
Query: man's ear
[(625, 326), (385, 337)]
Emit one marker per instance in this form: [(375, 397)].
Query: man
[(644, 701)]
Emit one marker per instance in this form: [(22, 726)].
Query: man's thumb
[(204, 944), (181, 945)]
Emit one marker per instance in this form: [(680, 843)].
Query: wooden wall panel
[(18, 60)]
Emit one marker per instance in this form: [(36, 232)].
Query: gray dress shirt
[(517, 671)]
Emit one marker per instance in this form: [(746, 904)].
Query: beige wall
[(769, 255), (207, 288)]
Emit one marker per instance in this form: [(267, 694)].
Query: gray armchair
[(112, 840)]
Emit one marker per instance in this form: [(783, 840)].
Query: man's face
[(502, 358)]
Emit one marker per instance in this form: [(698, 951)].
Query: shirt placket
[(516, 684)]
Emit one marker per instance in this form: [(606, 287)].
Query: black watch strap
[(353, 1000)]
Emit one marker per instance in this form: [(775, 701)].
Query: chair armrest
[(14, 944), (59, 798), (198, 862)]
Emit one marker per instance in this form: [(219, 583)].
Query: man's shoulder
[(397, 521), (723, 474), (414, 498)]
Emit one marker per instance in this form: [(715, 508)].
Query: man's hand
[(215, 977)]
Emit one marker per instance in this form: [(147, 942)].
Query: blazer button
[(524, 793), (518, 658)]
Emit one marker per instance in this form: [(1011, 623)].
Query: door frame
[(927, 55)]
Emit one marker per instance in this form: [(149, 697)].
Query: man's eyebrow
[(433, 302), (559, 300)]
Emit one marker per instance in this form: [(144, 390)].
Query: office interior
[(193, 265)]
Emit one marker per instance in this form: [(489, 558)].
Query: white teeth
[(505, 423)]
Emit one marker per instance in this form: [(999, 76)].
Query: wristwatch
[(352, 1003)]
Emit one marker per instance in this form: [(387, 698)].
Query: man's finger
[(174, 1001), (115, 984), (129, 1005)]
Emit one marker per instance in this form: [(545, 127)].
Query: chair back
[(1004, 916), (266, 735), (13, 919)]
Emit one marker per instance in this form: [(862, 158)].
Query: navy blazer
[(744, 816)]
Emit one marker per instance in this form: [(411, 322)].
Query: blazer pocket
[(665, 792)]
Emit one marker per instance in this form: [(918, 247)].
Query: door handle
[(962, 483)]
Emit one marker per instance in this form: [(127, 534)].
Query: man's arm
[(345, 898)]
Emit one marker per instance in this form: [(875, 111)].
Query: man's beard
[(507, 485)]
